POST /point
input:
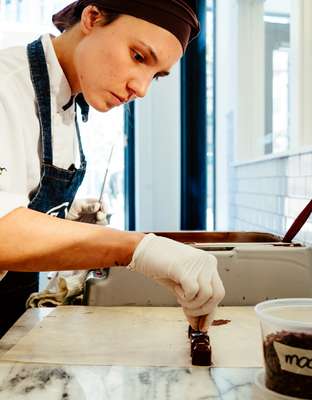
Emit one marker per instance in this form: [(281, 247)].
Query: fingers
[(103, 207), (200, 323), (211, 291), (90, 206), (101, 218), (201, 317), (168, 283), (182, 295), (204, 293), (187, 290), (193, 321), (218, 287), (81, 207), (205, 321)]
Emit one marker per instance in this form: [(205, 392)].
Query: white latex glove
[(190, 273), (81, 207)]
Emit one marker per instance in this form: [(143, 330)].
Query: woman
[(108, 54)]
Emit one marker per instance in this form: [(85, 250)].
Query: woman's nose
[(138, 87)]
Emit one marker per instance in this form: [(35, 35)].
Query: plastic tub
[(286, 326)]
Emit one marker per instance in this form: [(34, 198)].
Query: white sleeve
[(10, 201), (11, 164)]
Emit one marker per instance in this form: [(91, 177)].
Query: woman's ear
[(90, 17)]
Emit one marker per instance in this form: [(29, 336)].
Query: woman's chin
[(104, 107), (100, 105)]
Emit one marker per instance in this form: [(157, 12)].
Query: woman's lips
[(116, 100)]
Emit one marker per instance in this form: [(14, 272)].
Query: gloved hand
[(81, 208), (190, 273)]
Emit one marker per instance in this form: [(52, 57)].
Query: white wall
[(275, 6), (271, 192), (226, 72), (157, 150), (301, 76)]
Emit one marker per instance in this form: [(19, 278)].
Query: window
[(263, 112), (103, 143), (210, 20), (193, 130), (277, 70)]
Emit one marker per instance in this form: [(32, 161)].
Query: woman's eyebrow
[(150, 50), (152, 53)]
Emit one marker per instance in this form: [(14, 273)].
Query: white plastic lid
[(292, 313)]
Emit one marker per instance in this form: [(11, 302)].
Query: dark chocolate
[(200, 347), (217, 322), (282, 381)]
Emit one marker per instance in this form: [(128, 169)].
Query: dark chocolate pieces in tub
[(200, 347), (283, 381)]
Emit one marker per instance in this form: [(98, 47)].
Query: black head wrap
[(176, 16)]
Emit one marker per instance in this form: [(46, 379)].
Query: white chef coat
[(19, 125)]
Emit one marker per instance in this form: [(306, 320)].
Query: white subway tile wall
[(268, 195)]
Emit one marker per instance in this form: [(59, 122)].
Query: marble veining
[(45, 382)]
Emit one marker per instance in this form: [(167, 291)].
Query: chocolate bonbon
[(200, 347)]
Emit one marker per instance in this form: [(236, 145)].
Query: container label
[(293, 359)]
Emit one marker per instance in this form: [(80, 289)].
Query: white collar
[(59, 84)]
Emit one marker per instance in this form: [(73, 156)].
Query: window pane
[(103, 142), (277, 48), (210, 115)]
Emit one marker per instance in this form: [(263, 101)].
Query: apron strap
[(40, 79), (83, 162)]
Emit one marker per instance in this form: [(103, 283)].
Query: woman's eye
[(138, 57)]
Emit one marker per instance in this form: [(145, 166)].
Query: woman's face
[(117, 62)]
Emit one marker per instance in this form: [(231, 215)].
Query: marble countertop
[(64, 382)]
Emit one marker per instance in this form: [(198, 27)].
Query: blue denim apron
[(54, 195)]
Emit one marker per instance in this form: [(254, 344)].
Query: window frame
[(129, 172), (194, 130)]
